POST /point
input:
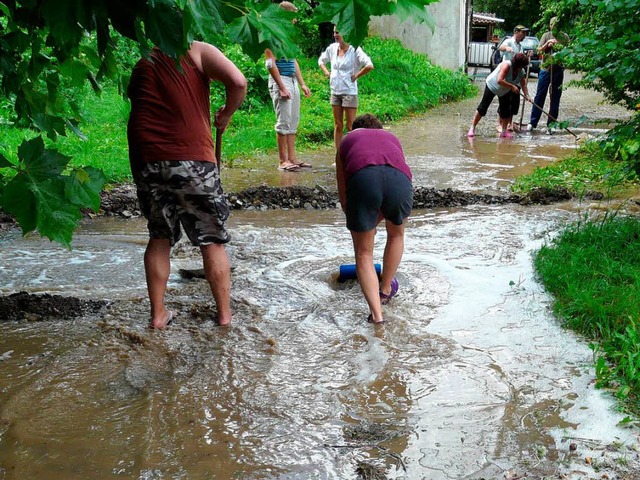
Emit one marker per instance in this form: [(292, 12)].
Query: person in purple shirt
[(374, 183)]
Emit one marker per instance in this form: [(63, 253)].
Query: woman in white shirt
[(347, 65)]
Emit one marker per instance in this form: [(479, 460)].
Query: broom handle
[(549, 115)]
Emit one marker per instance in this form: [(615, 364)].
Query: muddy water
[(470, 377)]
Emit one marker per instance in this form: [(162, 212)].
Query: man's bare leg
[(157, 266), (218, 274)]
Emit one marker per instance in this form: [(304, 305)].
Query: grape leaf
[(163, 26), (269, 28), (56, 218), (83, 186), (38, 163), (18, 200), (414, 10), (350, 16)]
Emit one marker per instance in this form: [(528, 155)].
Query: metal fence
[(480, 54)]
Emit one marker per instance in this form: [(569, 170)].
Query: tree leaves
[(163, 26), (42, 197), (269, 28), (414, 10), (204, 18), (350, 16)]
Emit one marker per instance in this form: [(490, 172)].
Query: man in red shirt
[(173, 163)]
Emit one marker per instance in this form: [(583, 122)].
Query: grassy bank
[(592, 268), (588, 169), (402, 83), (593, 271)]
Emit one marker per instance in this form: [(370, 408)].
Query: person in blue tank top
[(285, 84)]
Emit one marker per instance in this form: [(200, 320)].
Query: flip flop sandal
[(304, 165), (169, 322), (370, 320), (290, 168)]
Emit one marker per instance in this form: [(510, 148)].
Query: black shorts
[(374, 189), (509, 103)]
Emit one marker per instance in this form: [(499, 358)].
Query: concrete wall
[(445, 46)]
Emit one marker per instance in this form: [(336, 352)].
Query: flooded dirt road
[(471, 377)]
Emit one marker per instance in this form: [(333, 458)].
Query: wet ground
[(471, 377)]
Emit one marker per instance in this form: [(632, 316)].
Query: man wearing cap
[(510, 47), (513, 45)]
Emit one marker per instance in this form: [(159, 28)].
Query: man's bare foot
[(163, 321), (223, 322)]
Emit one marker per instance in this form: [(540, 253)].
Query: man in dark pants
[(173, 163), (550, 77)]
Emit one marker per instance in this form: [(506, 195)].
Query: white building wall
[(445, 46)]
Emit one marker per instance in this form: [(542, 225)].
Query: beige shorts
[(346, 101)]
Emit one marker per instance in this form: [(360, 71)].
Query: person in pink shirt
[(374, 183)]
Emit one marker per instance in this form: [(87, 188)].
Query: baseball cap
[(520, 28)]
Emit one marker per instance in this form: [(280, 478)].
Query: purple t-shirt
[(364, 147)]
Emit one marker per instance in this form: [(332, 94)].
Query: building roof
[(481, 18)]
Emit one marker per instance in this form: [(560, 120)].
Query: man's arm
[(507, 46), (212, 62)]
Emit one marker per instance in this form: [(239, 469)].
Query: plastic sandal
[(384, 298)]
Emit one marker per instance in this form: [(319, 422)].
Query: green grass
[(402, 83), (588, 169), (593, 271)]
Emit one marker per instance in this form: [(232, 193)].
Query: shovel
[(549, 115), (523, 98), (218, 147)]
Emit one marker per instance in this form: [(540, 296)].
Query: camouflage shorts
[(185, 192)]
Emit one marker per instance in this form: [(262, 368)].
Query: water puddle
[(470, 377)]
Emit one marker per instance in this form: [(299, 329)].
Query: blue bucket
[(348, 271)]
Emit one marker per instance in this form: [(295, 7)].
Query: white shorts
[(287, 110)]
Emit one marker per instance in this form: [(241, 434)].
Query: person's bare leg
[(157, 266), (504, 122), (393, 251), (476, 119), (366, 272), (218, 274), (283, 152), (338, 125), (350, 116), (291, 148)]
